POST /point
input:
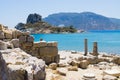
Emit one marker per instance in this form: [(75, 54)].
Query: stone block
[(3, 45), (73, 68), (15, 43), (1, 27), (89, 76), (14, 35), (48, 51), (54, 44), (92, 59), (57, 58), (18, 75), (23, 66), (8, 34), (47, 59), (109, 77), (2, 35), (26, 33), (40, 75), (9, 45), (18, 33), (62, 71), (116, 60), (112, 72), (53, 66), (3, 69), (22, 39), (30, 39), (35, 51), (40, 44), (84, 64), (28, 44)]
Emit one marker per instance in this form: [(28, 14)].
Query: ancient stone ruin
[(47, 51), (22, 58), (95, 49), (85, 47)]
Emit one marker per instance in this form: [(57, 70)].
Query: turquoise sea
[(108, 41)]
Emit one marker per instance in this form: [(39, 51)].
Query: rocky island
[(23, 59), (35, 24)]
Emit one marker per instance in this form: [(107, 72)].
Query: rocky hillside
[(34, 24), (84, 21)]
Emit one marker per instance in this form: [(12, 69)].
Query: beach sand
[(92, 69)]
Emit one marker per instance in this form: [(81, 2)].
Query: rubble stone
[(53, 66), (84, 64), (3, 45)]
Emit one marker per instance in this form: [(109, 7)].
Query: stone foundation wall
[(48, 51)]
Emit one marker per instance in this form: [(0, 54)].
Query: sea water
[(108, 41)]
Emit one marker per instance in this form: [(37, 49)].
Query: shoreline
[(107, 53)]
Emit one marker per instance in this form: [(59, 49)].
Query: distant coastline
[(104, 31)]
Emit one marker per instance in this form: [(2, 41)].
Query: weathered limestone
[(104, 65), (54, 44), (1, 27), (116, 60), (23, 66), (73, 68), (46, 51), (15, 43), (89, 76), (112, 72), (53, 66), (62, 64), (92, 59), (9, 45), (2, 35), (108, 77), (8, 34), (3, 69), (84, 64), (62, 71), (19, 74), (3, 45), (30, 39)]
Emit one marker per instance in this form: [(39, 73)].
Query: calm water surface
[(108, 41)]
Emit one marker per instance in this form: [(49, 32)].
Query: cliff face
[(33, 18)]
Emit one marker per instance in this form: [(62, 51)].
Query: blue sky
[(15, 11)]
